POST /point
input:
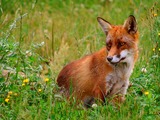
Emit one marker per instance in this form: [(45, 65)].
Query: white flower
[(144, 70), (94, 105)]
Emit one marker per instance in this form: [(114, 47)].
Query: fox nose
[(109, 58)]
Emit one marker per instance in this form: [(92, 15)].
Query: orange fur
[(95, 77)]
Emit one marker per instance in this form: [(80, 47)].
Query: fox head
[(121, 41)]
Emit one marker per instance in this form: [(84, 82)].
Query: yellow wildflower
[(153, 49), (10, 92), (25, 80), (155, 15), (15, 94), (39, 90), (146, 93), (23, 84), (159, 34), (46, 79), (159, 49), (8, 96), (7, 100)]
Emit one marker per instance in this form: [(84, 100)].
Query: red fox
[(105, 73)]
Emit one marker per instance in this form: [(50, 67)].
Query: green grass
[(38, 38)]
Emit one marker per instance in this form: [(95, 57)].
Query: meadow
[(38, 38)]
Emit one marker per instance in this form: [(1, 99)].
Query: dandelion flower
[(159, 34), (25, 80), (46, 79), (10, 92), (155, 15), (146, 93), (23, 84), (39, 90), (7, 100), (159, 49), (144, 70), (153, 49)]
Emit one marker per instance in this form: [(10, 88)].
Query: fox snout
[(114, 59), (109, 58), (117, 58)]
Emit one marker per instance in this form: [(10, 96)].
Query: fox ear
[(130, 25), (106, 26)]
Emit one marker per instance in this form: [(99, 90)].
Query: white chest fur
[(117, 82)]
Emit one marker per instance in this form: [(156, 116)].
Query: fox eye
[(121, 43), (109, 46)]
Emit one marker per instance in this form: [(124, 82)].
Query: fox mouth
[(118, 61)]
